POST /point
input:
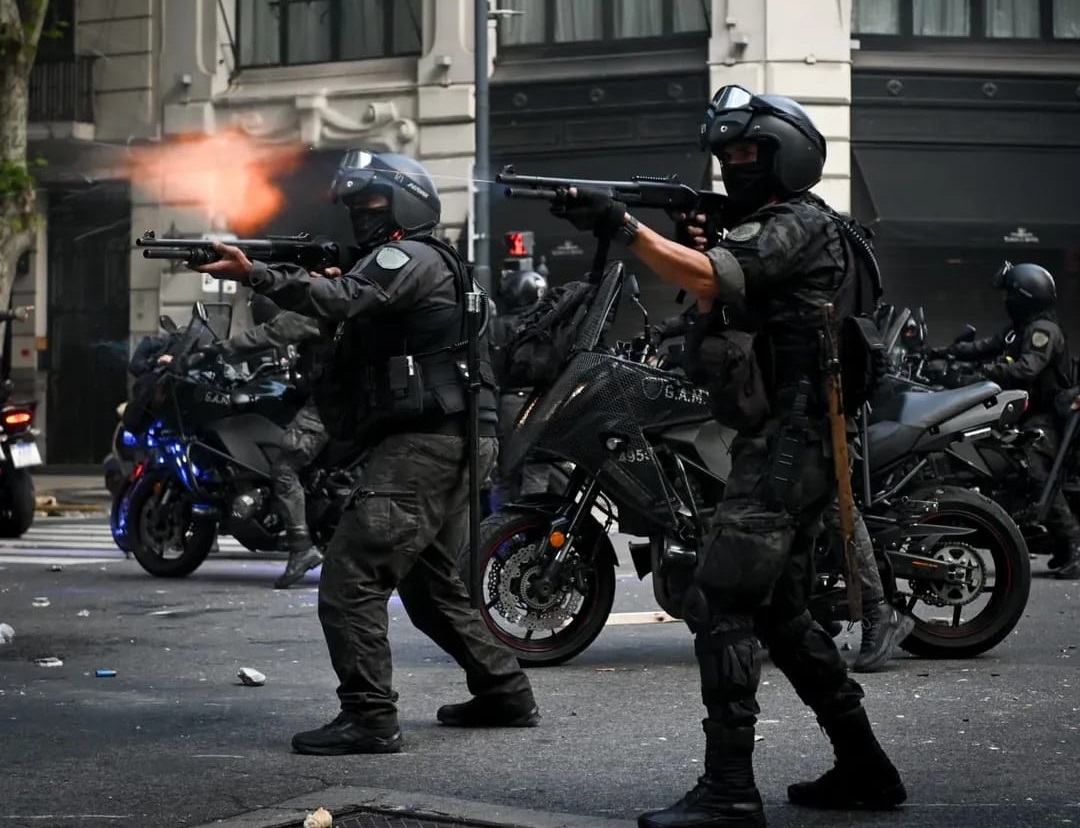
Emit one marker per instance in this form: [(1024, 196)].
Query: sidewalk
[(62, 493), (383, 808)]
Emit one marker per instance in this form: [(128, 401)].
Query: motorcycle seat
[(923, 410)]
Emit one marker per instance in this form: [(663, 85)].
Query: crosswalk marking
[(62, 534)]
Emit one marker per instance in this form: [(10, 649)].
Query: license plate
[(24, 454)]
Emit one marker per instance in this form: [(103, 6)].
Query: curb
[(339, 801)]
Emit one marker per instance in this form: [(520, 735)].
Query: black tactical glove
[(591, 210), (709, 231)]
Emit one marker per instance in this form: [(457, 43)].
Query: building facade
[(585, 88)]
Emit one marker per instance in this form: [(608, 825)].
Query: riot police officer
[(784, 256), (520, 292), (304, 436), (396, 386), (1031, 353)]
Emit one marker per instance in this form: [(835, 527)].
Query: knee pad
[(729, 657)]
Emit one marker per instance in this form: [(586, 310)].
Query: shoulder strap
[(461, 286)]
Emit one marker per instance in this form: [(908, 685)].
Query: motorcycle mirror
[(198, 310), (635, 297), (167, 324)]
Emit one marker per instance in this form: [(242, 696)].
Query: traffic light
[(519, 244)]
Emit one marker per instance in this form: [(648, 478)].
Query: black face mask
[(1018, 307), (749, 188), (372, 226)]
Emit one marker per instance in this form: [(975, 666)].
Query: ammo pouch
[(723, 362), (744, 554), (406, 385)]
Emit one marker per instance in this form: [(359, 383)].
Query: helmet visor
[(730, 97), (354, 174)]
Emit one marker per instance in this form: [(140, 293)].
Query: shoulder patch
[(392, 258), (1040, 339), (744, 232)]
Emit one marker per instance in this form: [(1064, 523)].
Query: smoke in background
[(232, 177)]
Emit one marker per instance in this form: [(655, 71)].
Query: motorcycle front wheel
[(542, 632), (165, 539), (968, 619)]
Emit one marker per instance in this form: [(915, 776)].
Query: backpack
[(543, 338)]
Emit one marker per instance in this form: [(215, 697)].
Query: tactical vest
[(407, 371)]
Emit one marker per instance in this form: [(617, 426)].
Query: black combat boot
[(518, 710), (1067, 566), (863, 777), (884, 627), (346, 734), (302, 557), (725, 796)]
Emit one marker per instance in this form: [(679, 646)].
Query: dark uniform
[(520, 292), (305, 436), (1032, 354), (784, 258), (395, 384)]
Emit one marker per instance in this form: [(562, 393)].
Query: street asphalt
[(175, 739)]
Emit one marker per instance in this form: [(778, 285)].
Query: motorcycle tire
[(997, 533), (17, 503), (508, 534), (145, 530)]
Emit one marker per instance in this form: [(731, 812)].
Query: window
[(917, 21), (289, 32), (1011, 18), (588, 21), (1067, 19), (941, 18)]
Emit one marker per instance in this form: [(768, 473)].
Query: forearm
[(689, 269)]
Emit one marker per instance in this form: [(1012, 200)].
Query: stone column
[(798, 48), (446, 106)]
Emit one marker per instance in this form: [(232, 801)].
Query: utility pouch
[(406, 386), (745, 553), (723, 362)]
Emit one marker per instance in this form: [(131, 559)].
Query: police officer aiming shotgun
[(785, 256), (396, 385)]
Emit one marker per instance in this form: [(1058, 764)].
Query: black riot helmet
[(791, 150), (263, 308), (522, 289), (1029, 289), (413, 207)]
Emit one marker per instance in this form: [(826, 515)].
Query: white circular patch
[(391, 258), (744, 232), (1039, 339)]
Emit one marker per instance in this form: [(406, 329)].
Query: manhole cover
[(387, 818)]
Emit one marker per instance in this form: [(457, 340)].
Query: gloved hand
[(591, 210), (695, 231), (203, 354)]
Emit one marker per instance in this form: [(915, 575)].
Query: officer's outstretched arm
[(287, 328), (989, 346), (369, 288), (704, 275)]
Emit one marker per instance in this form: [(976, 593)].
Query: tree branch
[(32, 13)]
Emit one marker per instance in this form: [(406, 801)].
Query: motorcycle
[(127, 446), (213, 434), (18, 438), (998, 467), (647, 453)]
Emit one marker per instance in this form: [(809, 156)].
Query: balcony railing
[(62, 90)]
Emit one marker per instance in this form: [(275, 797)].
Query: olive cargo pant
[(405, 531)]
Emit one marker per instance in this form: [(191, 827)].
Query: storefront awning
[(970, 197)]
